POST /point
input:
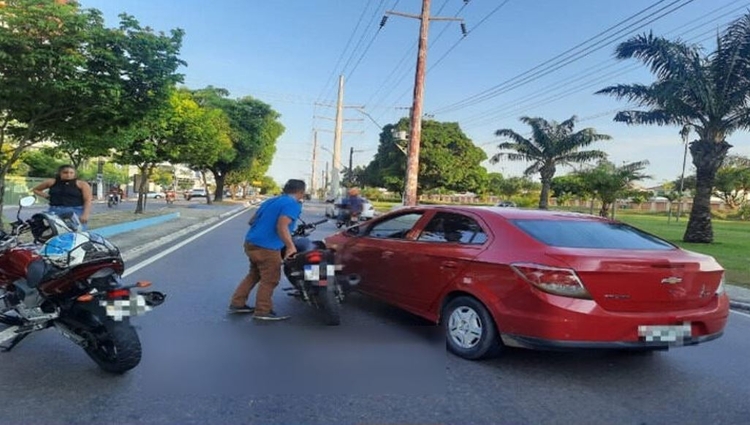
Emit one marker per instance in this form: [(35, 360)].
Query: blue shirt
[(263, 232)]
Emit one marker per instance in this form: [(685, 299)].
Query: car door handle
[(386, 255), (448, 265)]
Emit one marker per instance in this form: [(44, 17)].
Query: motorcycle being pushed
[(312, 273), (54, 276)]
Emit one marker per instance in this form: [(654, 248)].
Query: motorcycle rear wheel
[(330, 306), (115, 347)]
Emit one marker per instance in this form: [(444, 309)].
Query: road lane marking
[(163, 254), (741, 313)]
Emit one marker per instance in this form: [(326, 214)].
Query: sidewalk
[(187, 219), (134, 239)]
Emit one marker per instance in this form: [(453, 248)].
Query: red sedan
[(496, 277)]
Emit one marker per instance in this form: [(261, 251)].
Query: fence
[(17, 187)]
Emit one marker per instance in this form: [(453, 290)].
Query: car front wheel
[(470, 331)]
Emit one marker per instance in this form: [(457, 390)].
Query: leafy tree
[(732, 185), (269, 186), (447, 159), (204, 135), (494, 182), (166, 134), (572, 184), (706, 94), (42, 162), (64, 73), (353, 177), (609, 182), (551, 144), (255, 128), (111, 173)]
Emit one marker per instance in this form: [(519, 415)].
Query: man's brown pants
[(265, 268)]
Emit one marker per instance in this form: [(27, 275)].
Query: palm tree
[(609, 182), (706, 94), (552, 144)]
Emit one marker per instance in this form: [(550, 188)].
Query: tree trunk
[(2, 196), (707, 158), (205, 186), (604, 211), (220, 179), (140, 206), (547, 173)]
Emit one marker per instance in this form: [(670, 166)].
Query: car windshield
[(590, 234)]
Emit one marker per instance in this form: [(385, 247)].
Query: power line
[(434, 65), (341, 56), (364, 34), (498, 89), (567, 82), (407, 54)]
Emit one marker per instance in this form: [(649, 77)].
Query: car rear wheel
[(470, 330)]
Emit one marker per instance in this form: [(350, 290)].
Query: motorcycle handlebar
[(317, 223)]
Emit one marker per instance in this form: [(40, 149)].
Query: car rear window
[(590, 234)]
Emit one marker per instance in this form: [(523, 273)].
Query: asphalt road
[(381, 366)]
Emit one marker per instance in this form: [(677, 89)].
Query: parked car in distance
[(368, 210), (155, 195), (504, 277), (197, 193), (506, 204)]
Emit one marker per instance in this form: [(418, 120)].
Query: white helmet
[(73, 249)]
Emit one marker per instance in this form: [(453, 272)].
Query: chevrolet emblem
[(672, 280)]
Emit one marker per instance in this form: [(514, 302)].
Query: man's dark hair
[(294, 186)]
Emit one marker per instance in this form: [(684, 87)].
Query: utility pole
[(415, 128), (313, 186), (337, 139)]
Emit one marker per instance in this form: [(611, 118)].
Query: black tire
[(330, 306), (115, 347), (485, 342)]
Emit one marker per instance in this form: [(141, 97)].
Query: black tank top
[(65, 193)]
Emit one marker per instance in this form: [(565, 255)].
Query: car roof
[(511, 213)]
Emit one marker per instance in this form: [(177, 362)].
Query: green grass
[(731, 246)]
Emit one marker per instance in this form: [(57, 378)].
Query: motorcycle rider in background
[(351, 207)]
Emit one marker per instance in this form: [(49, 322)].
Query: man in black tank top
[(66, 193)]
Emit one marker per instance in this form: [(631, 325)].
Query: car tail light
[(553, 280)]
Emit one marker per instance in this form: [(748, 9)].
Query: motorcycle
[(345, 218), (170, 196), (69, 280), (312, 273), (112, 200)]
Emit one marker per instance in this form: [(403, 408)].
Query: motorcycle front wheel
[(115, 346)]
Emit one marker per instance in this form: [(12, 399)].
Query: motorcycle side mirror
[(27, 201)]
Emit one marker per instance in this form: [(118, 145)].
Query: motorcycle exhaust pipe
[(154, 298), (353, 280)]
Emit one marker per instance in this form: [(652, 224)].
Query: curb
[(739, 305), (135, 252), (116, 229)]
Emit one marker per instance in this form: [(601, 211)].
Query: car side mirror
[(354, 230)]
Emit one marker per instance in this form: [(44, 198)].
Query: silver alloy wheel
[(465, 327)]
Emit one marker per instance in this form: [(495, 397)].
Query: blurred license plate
[(665, 333)]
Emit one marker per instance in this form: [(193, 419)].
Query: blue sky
[(289, 53)]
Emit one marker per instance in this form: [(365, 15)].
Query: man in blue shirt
[(270, 231)]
